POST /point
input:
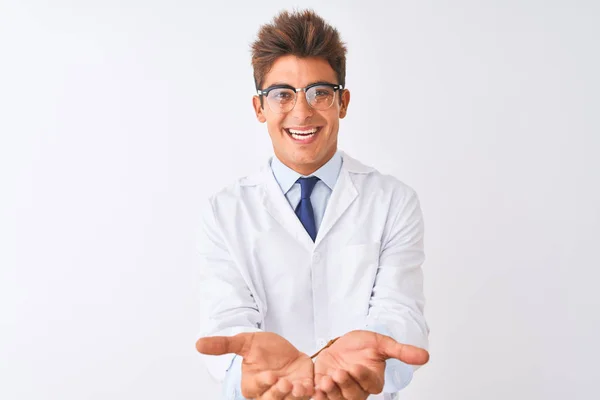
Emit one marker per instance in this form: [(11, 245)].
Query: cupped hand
[(353, 367), (272, 368)]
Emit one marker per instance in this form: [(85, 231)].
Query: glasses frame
[(265, 92)]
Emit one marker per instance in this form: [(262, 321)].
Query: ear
[(260, 112), (345, 96)]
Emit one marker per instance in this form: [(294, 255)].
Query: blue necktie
[(304, 211)]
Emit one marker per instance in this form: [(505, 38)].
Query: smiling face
[(304, 138)]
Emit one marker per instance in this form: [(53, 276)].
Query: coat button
[(316, 257)]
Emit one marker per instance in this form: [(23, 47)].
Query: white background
[(118, 118)]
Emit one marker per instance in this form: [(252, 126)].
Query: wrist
[(332, 341)]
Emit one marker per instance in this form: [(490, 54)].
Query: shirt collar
[(286, 177)]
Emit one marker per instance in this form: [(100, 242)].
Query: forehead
[(300, 72)]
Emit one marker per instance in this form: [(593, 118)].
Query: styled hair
[(298, 33)]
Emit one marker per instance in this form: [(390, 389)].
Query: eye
[(281, 95), (323, 92)]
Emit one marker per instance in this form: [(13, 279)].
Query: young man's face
[(303, 152)]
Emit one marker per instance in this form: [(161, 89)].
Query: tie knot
[(307, 185)]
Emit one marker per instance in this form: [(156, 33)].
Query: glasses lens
[(320, 97), (281, 100)]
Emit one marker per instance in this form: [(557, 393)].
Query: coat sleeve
[(396, 306), (226, 302)]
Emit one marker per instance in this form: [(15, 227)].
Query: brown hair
[(302, 34)]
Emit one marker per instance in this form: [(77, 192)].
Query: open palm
[(272, 367), (271, 354), (362, 355)]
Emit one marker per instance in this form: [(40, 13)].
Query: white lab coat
[(261, 271)]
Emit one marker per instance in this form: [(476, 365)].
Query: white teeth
[(301, 137), (303, 132)]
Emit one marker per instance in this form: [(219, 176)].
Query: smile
[(303, 135)]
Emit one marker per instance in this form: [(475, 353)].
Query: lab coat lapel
[(343, 195), (278, 206)]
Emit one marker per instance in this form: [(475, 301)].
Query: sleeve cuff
[(232, 386)]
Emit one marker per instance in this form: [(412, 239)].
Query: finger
[(318, 377), (330, 388), (303, 388), (413, 355), (368, 380), (309, 384), (218, 345), (348, 386), (259, 384), (279, 391), (319, 395)]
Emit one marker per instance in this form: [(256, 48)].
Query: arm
[(227, 304), (254, 364), (397, 300)]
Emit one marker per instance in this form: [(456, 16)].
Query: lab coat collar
[(342, 197), (349, 164), (287, 177)]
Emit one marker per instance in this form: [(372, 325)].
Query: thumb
[(413, 355), (218, 345)]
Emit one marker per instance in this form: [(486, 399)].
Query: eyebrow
[(312, 83)]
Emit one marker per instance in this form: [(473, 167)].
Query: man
[(315, 247)]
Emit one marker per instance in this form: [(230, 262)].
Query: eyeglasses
[(282, 98)]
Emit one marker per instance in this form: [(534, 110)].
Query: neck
[(307, 169)]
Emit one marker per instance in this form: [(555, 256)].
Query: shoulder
[(239, 189), (370, 179)]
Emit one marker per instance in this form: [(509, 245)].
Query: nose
[(302, 110)]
